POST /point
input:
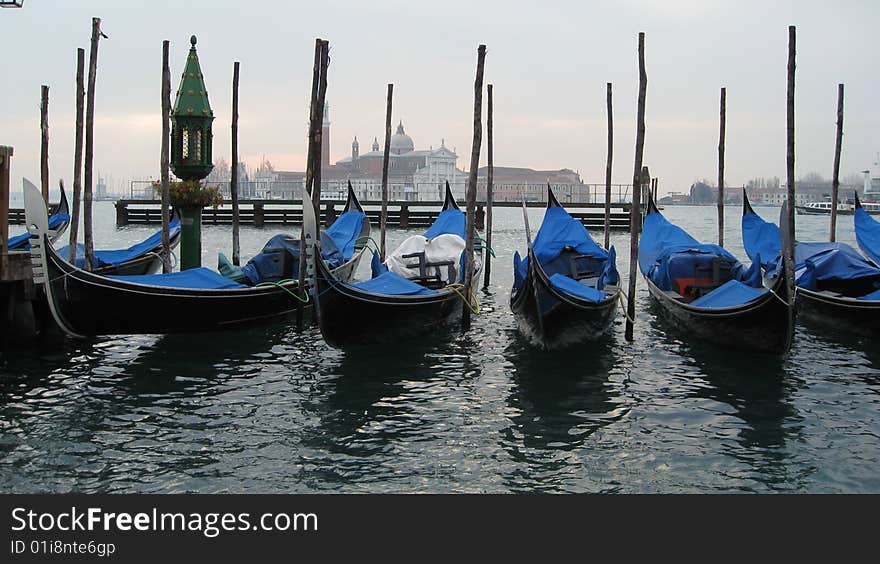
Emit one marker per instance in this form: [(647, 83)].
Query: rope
[(485, 246), (622, 299), (475, 306), (281, 283)]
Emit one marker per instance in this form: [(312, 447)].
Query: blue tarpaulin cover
[(872, 296), (666, 251), (153, 243), (449, 221), (868, 234), (377, 267), (570, 286), (830, 261), (20, 242), (814, 261), (196, 278), (346, 230), (761, 239), (279, 259), (560, 231), (393, 284), (731, 293)]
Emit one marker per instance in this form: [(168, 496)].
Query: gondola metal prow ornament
[(37, 226), (526, 220)]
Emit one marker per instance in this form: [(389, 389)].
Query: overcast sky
[(549, 62)]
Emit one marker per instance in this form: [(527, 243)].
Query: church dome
[(401, 142)]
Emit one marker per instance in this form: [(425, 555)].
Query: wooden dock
[(417, 215)]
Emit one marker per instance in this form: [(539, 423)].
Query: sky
[(549, 63)]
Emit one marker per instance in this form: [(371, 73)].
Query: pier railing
[(406, 214), (426, 192)]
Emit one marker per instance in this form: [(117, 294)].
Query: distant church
[(410, 172), (412, 175)]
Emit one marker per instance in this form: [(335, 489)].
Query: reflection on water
[(559, 400), (274, 409)]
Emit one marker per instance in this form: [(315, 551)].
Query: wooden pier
[(416, 215), (21, 319)]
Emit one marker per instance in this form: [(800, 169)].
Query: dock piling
[(609, 153), (44, 142), (721, 168), (471, 195), (233, 182), (635, 210), (78, 152), (835, 182), (164, 160), (383, 218), (490, 173), (90, 144), (788, 249)]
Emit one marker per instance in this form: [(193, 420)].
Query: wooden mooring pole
[(324, 62), (77, 152), (635, 216), (471, 196), (90, 144), (44, 142), (383, 217), (233, 182), (5, 166), (316, 78), (164, 158), (609, 153), (311, 161), (788, 249), (490, 173), (835, 182), (721, 168)]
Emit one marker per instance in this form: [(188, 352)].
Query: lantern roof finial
[(192, 96)]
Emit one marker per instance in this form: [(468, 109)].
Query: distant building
[(412, 174), (510, 184)]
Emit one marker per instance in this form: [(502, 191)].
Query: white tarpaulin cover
[(447, 247)]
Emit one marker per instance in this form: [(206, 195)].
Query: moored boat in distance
[(706, 292), (137, 260), (824, 208), (566, 290)]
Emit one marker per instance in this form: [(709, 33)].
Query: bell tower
[(325, 138)]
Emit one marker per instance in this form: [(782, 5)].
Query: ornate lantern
[(191, 143), (191, 136)]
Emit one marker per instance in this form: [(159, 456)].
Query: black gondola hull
[(350, 317), (127, 308), (552, 320), (850, 315), (762, 325), (88, 304)]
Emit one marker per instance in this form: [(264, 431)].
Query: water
[(274, 410)]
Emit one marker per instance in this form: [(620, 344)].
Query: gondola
[(196, 300), (390, 307), (706, 292), (836, 287), (59, 219), (137, 260), (566, 291)]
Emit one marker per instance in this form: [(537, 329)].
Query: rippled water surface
[(276, 410)]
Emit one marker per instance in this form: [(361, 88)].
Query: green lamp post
[(191, 141)]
